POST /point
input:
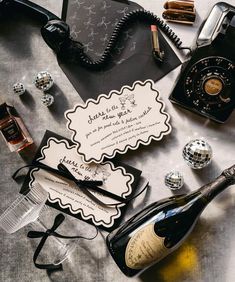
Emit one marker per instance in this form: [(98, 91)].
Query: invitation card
[(65, 195), (117, 122)]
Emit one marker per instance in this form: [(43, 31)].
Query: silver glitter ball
[(43, 80), (197, 153), (19, 88), (174, 180), (47, 100)]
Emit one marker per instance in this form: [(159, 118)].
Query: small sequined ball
[(47, 100), (19, 88), (174, 180), (197, 153), (43, 80)]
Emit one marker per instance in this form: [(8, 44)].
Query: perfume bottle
[(13, 129)]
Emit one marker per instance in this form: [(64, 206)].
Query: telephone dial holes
[(208, 84), (231, 66), (207, 108), (196, 102), (218, 61)]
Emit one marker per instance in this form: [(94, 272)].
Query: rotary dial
[(209, 84)]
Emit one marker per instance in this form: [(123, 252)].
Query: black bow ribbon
[(51, 232), (34, 234), (83, 184)]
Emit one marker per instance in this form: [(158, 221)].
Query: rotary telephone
[(206, 84)]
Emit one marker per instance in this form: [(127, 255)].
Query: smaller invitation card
[(117, 122), (65, 195)]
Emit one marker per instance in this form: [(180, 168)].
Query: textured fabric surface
[(208, 254)]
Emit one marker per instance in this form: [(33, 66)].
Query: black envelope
[(92, 23), (135, 172)]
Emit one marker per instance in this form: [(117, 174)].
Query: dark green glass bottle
[(159, 229)]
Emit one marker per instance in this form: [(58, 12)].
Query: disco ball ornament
[(19, 88), (174, 180), (43, 80), (197, 153), (47, 100)]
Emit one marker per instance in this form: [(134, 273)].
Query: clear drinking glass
[(30, 210)]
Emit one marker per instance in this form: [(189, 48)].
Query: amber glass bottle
[(162, 227), (13, 129)]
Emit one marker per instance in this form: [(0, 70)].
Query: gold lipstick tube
[(179, 16), (157, 53), (180, 5)]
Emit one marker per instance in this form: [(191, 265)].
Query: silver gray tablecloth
[(208, 254)]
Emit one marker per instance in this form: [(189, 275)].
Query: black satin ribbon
[(51, 232), (83, 184)]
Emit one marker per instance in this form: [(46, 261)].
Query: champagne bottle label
[(145, 248)]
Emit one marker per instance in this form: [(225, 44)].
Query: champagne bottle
[(159, 229)]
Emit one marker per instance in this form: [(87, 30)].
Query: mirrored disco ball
[(43, 80), (197, 153), (47, 100), (19, 88), (174, 180)]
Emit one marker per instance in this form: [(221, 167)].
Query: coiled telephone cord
[(76, 48)]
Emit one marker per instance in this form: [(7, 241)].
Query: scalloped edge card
[(117, 177), (118, 121), (68, 195)]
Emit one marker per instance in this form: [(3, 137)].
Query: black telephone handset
[(56, 33), (206, 84)]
